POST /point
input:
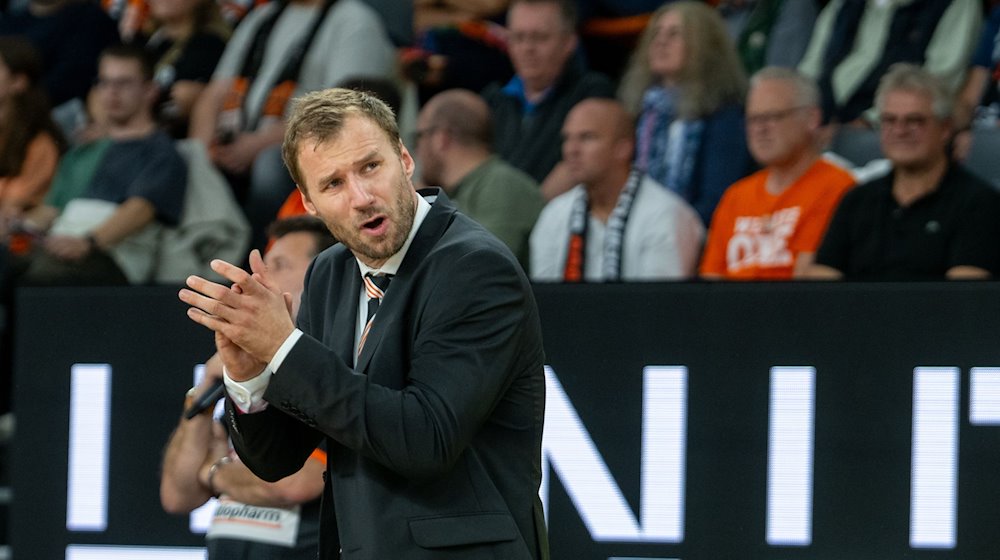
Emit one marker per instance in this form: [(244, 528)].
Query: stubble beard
[(400, 215)]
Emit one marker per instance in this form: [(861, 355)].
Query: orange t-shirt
[(756, 235)]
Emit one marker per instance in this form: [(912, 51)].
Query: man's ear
[(407, 160), (625, 149), (815, 116), (310, 207), (19, 83), (151, 92)]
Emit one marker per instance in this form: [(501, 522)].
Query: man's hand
[(251, 319), (68, 248), (218, 447)]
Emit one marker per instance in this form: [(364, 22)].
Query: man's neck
[(460, 166), (135, 128), (535, 92), (912, 183), (603, 195), (783, 175)]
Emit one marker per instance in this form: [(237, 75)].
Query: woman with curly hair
[(686, 86)]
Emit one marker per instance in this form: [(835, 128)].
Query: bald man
[(616, 224), (454, 145)]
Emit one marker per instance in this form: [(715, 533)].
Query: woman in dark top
[(188, 39)]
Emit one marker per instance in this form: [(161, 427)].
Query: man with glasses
[(549, 80), (455, 151), (929, 218), (101, 219), (767, 226)]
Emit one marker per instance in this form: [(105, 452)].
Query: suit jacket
[(434, 438)]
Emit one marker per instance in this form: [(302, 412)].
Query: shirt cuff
[(249, 395), (284, 350)]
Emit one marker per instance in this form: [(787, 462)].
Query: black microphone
[(207, 399)]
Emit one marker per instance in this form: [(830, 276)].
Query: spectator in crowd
[(30, 142), (855, 42), (617, 223), (279, 51), (110, 198), (929, 218), (199, 462), (686, 84), (768, 225), (454, 148), (187, 42), (529, 110), (70, 34), (769, 32)]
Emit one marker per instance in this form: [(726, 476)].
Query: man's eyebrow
[(373, 154)]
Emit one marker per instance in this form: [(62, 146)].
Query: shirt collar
[(391, 266), (515, 89)]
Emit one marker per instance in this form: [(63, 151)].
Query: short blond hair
[(320, 116)]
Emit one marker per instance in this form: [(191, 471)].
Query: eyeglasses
[(421, 133), (116, 83), (530, 37), (912, 122), (668, 34), (771, 117)]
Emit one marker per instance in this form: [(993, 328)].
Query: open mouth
[(373, 224)]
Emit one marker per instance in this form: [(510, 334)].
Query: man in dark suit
[(432, 408)]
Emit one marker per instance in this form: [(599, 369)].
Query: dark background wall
[(864, 341)]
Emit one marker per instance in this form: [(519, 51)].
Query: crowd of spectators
[(708, 150), (483, 91)]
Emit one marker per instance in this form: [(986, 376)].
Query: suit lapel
[(397, 296), (345, 314)]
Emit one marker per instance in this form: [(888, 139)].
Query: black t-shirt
[(872, 237), (195, 62)]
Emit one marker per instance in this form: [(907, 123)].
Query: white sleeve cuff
[(283, 350), (248, 395)]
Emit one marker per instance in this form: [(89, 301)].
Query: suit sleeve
[(272, 443), (465, 351)]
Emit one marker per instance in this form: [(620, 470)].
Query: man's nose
[(361, 194)]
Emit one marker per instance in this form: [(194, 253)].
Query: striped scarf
[(614, 236), (666, 146)]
